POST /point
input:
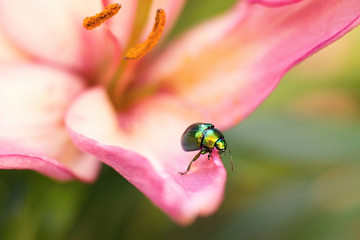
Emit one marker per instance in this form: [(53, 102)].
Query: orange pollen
[(95, 21), (142, 48)]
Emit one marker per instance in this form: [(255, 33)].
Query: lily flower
[(70, 96)]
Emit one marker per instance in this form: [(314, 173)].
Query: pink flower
[(68, 97)]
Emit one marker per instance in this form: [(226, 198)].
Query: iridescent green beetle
[(204, 137)]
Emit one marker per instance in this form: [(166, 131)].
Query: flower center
[(121, 79)]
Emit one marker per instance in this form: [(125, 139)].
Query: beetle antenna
[(231, 161)]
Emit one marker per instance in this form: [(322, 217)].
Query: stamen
[(95, 21), (142, 48)]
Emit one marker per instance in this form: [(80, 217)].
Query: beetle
[(204, 137)]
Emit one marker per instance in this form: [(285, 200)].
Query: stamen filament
[(95, 21), (116, 87), (141, 49)]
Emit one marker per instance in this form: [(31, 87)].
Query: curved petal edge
[(150, 162), (46, 166), (251, 47)]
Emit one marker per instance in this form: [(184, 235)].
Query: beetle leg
[(194, 159), (208, 151), (204, 151)]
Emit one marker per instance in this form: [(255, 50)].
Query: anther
[(95, 21), (141, 49)]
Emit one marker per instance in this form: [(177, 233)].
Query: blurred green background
[(297, 169)]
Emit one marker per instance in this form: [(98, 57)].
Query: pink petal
[(143, 145), (33, 102), (43, 165), (52, 31), (274, 3), (229, 65), (9, 52)]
